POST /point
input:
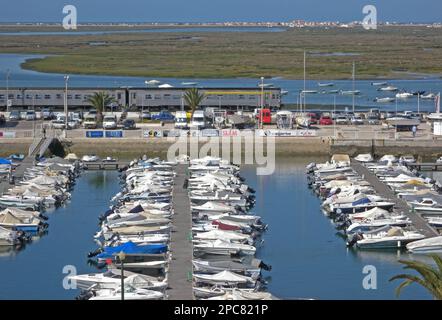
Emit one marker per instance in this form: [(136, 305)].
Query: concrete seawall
[(309, 146)]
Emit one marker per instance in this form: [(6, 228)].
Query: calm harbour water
[(309, 260), (21, 78)]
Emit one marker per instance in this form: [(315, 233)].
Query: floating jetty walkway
[(382, 189), (180, 267)]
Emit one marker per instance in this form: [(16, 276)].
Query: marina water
[(309, 259)]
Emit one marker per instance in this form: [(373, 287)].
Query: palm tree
[(193, 98), (430, 278), (100, 100)]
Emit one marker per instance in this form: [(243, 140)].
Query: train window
[(47, 96), (2, 96), (134, 95), (19, 96), (157, 97), (38, 97), (69, 96), (148, 97), (78, 96), (28, 96), (241, 97), (119, 96), (11, 96), (59, 96)]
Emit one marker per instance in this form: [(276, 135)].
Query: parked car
[(163, 116), (109, 122), (58, 124), (47, 114), (341, 120), (93, 113), (30, 115), (357, 120), (90, 122), (129, 124), (14, 116), (313, 118), (181, 120), (373, 120), (325, 121), (145, 115)]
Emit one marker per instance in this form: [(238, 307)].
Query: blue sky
[(220, 10)]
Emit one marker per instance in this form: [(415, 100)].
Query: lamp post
[(66, 80), (122, 257), (261, 119), (334, 113), (8, 73)]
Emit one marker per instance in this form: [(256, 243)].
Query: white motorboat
[(328, 84), (367, 157), (404, 95), (111, 277), (428, 96), (222, 235), (9, 237), (221, 247), (379, 84), (350, 92), (388, 88), (152, 82), (426, 246), (393, 238), (435, 222), (384, 100), (225, 278), (388, 158), (214, 207), (90, 158), (130, 293), (407, 159)]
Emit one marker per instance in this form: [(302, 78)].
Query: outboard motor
[(94, 253), (85, 295), (354, 239), (265, 266)]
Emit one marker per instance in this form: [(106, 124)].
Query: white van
[(198, 120), (181, 120)]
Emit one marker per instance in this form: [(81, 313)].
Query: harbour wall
[(308, 146)]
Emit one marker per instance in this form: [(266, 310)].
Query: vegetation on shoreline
[(390, 52)]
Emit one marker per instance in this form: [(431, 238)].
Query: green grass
[(388, 52)]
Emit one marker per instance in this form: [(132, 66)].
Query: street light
[(8, 73), (66, 80), (262, 103), (122, 257)]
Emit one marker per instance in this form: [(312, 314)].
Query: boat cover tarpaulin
[(223, 276), (361, 201), (5, 161), (131, 248), (136, 209)]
